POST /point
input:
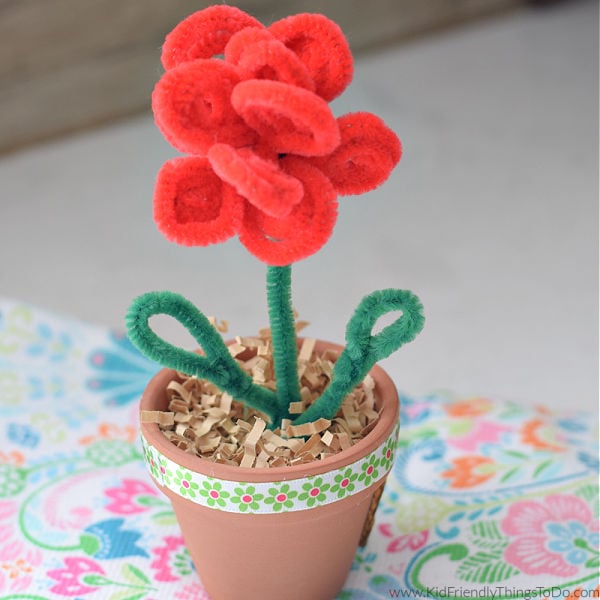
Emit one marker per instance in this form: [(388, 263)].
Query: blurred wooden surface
[(70, 64)]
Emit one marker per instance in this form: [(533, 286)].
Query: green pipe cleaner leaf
[(363, 349), (216, 364)]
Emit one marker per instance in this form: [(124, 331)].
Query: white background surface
[(491, 216)]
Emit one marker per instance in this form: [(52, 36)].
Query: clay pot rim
[(153, 399)]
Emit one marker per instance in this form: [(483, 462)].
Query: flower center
[(370, 470), (213, 494), (345, 483), (247, 499), (281, 497), (315, 492), (185, 483)]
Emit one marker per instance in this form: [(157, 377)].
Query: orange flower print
[(536, 433), (469, 471), (472, 407), (108, 431), (14, 457)]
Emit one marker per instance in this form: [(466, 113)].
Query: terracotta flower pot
[(270, 534)]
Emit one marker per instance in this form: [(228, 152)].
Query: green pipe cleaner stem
[(363, 349), (216, 365), (283, 333)]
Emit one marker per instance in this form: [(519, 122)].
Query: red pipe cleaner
[(304, 231), (192, 106), (288, 118), (368, 152), (254, 115), (192, 206), (260, 181), (320, 44), (204, 34)]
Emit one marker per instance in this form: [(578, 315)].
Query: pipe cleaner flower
[(266, 161), (254, 101)]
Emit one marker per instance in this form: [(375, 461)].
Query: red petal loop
[(192, 106), (288, 118), (192, 206), (260, 181), (204, 34), (368, 152), (320, 44), (238, 43), (304, 231), (272, 60)]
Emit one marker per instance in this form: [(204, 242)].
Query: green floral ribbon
[(275, 496)]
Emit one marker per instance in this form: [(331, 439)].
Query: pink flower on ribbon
[(124, 498), (173, 560), (17, 561), (553, 537), (70, 580), (412, 541)]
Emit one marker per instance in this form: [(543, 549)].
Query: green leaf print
[(128, 595), (485, 567), (591, 494), (486, 535), (510, 474), (12, 480), (541, 468), (90, 544), (134, 575), (96, 580), (593, 563), (165, 517)]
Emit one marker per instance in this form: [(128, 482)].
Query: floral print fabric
[(485, 498)]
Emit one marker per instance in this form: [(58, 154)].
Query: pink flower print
[(173, 560), (482, 432), (17, 565), (412, 541), (17, 561), (72, 579), (553, 537), (125, 499), (60, 508), (193, 591)]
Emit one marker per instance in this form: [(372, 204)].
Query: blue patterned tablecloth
[(486, 499)]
